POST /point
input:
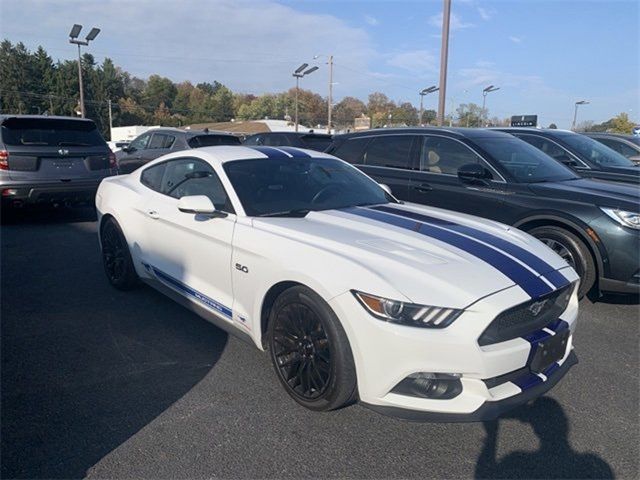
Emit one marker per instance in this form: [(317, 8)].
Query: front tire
[(310, 351), (116, 257), (573, 250)]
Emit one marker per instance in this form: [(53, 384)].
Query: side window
[(190, 176), (157, 140), (169, 141), (141, 142), (254, 140), (390, 151), (152, 176), (444, 155), (351, 150), (276, 140), (547, 146)]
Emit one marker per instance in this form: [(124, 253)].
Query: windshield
[(50, 132), (273, 187), (524, 162), (596, 152)]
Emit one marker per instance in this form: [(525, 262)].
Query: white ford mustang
[(417, 312)]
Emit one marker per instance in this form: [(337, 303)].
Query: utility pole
[(485, 92), (330, 106), (444, 55), (80, 83), (575, 113), (110, 121)]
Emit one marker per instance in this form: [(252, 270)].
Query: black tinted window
[(390, 151), (276, 140), (141, 142), (152, 176), (546, 146), (253, 140), (444, 155), (158, 140), (351, 150), (213, 140), (49, 132), (194, 177), (316, 142), (595, 152)]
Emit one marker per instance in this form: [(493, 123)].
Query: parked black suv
[(51, 160), (592, 224), (587, 157), (310, 140), (160, 141)]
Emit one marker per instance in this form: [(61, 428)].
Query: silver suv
[(51, 160)]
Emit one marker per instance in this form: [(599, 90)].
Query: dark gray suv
[(160, 141), (51, 160)]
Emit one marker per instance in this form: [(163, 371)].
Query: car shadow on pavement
[(554, 459), (616, 299), (84, 366), (47, 215)]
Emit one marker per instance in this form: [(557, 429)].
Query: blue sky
[(544, 55)]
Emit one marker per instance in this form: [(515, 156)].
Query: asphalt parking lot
[(101, 383)]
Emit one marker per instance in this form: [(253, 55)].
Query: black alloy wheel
[(116, 258)]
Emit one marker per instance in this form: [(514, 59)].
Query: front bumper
[(385, 354), (22, 194)]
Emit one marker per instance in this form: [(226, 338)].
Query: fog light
[(441, 386), (8, 192)]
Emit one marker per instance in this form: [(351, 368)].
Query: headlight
[(628, 219), (426, 316)]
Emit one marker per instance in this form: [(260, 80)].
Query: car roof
[(189, 133), (455, 132), (545, 131), (227, 153)]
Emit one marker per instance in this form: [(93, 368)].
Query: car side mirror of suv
[(128, 149), (566, 160), (474, 173)]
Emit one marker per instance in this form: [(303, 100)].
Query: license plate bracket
[(549, 351)]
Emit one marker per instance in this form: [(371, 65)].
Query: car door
[(435, 182), (191, 253), (389, 159), (133, 156)]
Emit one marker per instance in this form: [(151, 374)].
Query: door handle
[(423, 187), (153, 214)]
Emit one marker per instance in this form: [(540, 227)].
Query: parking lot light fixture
[(422, 93), (73, 38), (485, 92), (298, 73), (575, 112)]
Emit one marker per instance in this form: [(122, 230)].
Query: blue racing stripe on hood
[(534, 262), (269, 151), (521, 276)]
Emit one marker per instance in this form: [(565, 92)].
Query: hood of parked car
[(603, 193), (428, 253)]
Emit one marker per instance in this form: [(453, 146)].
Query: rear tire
[(573, 250), (116, 257), (310, 351)]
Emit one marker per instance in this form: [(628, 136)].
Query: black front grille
[(527, 317)]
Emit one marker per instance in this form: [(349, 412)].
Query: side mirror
[(128, 149), (474, 173), (198, 204), (386, 188), (635, 159)]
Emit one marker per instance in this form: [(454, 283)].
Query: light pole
[(299, 73), (485, 92), (422, 93), (444, 56), (575, 113), (330, 102), (73, 38)]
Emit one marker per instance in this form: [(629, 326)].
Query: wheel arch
[(577, 227), (267, 303)]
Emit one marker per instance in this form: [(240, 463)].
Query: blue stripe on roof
[(521, 276), (295, 152), (536, 263), (269, 151)]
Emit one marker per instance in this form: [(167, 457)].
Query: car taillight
[(4, 160), (112, 161)]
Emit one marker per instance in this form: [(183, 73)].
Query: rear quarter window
[(152, 177)]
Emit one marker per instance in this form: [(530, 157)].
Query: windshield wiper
[(296, 212)]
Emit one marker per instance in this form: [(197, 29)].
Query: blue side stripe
[(269, 151), (536, 263), (522, 277), (201, 297), (549, 371), (295, 152), (527, 381)]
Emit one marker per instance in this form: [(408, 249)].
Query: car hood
[(427, 253), (599, 192)]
